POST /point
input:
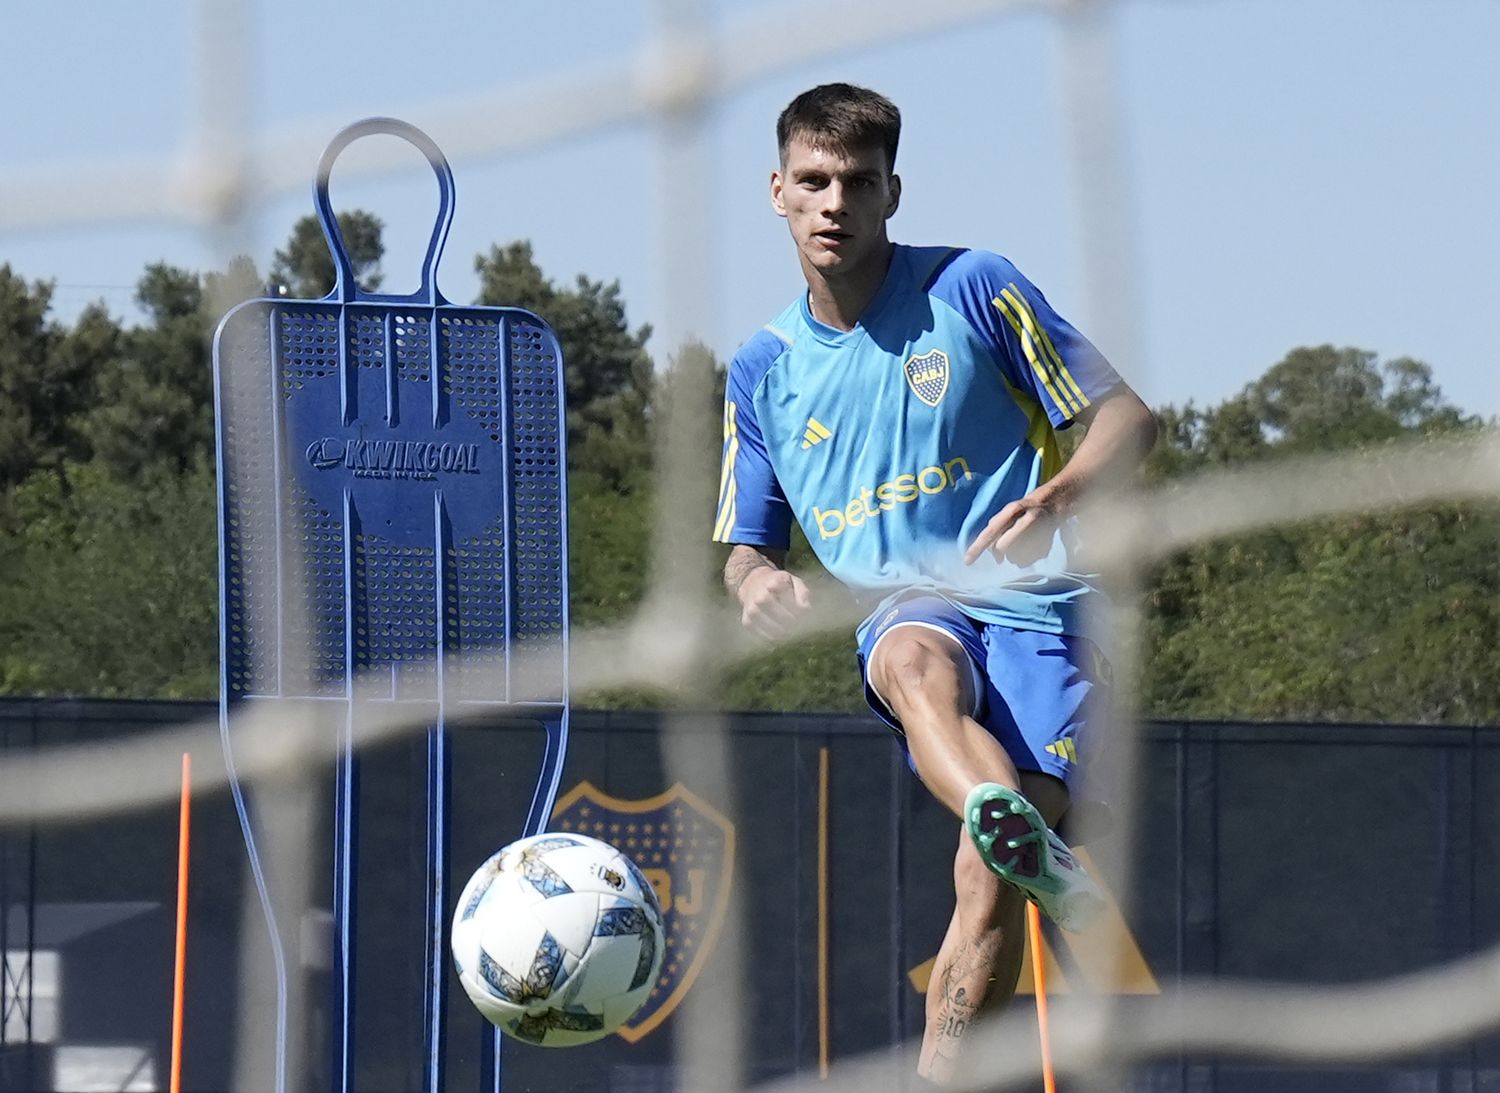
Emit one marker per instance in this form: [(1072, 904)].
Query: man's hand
[(1121, 430), (1021, 531), (771, 599)]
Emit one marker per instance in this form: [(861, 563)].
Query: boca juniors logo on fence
[(927, 376), (685, 848)]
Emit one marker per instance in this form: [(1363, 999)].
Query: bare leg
[(980, 959), (927, 681), (977, 966)]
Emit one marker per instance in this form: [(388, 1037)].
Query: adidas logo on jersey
[(816, 433), (1064, 749)]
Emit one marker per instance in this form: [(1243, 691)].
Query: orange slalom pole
[(1039, 984), (180, 967), (823, 1016)]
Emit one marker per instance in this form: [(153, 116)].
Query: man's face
[(836, 204)]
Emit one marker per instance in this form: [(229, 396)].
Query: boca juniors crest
[(685, 848), (927, 376)]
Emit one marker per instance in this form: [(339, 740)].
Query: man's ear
[(895, 202), (776, 202)]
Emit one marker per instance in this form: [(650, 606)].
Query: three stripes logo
[(1064, 749), (1041, 354), (724, 523), (816, 433)]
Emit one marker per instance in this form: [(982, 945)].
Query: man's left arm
[(1121, 430)]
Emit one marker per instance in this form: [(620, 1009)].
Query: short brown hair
[(842, 118)]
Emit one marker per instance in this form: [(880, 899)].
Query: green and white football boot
[(1019, 847)]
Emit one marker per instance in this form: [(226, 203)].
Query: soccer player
[(902, 410)]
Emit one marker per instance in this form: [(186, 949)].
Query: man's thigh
[(960, 636)]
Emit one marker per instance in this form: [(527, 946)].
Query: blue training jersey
[(893, 444)]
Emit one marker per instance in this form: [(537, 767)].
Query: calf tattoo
[(958, 1011), (958, 1005)]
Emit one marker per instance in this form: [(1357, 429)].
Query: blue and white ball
[(558, 939)]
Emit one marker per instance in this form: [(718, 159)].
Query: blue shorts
[(1039, 694)]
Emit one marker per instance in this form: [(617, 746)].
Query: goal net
[(687, 84)]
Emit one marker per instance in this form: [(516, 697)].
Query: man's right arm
[(754, 517), (770, 598)]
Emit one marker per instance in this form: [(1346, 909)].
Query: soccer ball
[(558, 939)]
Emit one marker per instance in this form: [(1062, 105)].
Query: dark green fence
[(1315, 854)]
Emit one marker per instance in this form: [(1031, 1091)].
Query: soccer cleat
[(1019, 847)]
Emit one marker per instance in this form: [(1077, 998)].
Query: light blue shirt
[(893, 444)]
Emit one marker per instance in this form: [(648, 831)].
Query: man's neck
[(840, 301)]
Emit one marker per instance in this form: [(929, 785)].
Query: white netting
[(683, 634)]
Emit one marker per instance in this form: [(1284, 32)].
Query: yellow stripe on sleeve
[(1063, 369), (725, 526), (1031, 354), (1023, 311), (731, 447), (725, 519), (1060, 370), (1027, 317)]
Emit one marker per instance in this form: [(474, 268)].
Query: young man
[(902, 411)]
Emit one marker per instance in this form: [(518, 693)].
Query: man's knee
[(913, 665)]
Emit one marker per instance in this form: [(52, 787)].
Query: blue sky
[(1293, 172)]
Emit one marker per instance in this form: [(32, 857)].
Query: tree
[(108, 587), (46, 378), (1384, 616), (606, 369), (156, 396), (305, 265), (1313, 399)]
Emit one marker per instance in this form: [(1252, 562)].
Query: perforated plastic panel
[(393, 487), (538, 463), (393, 518)]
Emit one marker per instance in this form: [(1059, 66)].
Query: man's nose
[(833, 197)]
